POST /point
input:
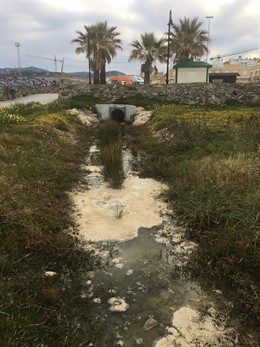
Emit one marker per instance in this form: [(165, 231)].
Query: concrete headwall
[(193, 93)]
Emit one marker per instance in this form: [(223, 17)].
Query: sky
[(36, 32)]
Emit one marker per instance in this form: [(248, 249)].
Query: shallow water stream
[(141, 278), (142, 293)]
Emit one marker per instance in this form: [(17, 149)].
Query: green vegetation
[(188, 40), (209, 156), (111, 153), (40, 153)]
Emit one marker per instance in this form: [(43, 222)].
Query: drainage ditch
[(142, 293)]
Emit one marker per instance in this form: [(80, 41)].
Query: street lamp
[(168, 48), (19, 65), (207, 53), (89, 65)]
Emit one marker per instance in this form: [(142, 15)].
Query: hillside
[(32, 71)]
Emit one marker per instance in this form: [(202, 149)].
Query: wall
[(194, 93), (191, 75)]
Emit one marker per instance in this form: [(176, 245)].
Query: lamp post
[(89, 65), (168, 47), (19, 65), (207, 53)]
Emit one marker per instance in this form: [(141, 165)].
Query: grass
[(141, 101), (113, 164), (210, 159), (40, 152), (110, 134)]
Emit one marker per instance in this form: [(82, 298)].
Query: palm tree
[(85, 46), (148, 50), (106, 43), (100, 43), (188, 40)]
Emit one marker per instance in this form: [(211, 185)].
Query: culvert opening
[(118, 115)]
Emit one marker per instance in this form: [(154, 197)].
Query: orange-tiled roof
[(120, 79)]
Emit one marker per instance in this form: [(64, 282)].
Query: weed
[(119, 212), (209, 157), (141, 101)]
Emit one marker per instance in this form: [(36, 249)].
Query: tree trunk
[(103, 74), (146, 68), (96, 77), (146, 78)]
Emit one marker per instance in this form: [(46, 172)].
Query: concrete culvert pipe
[(120, 113)]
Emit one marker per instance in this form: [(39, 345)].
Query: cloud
[(45, 28)]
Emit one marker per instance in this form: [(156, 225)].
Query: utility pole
[(207, 53), (55, 61)]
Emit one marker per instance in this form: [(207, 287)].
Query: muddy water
[(141, 275), (141, 293)]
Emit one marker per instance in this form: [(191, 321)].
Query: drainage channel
[(141, 291)]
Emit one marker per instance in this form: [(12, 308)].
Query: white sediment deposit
[(191, 329), (96, 210), (118, 305)]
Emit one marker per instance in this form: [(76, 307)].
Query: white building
[(248, 69)]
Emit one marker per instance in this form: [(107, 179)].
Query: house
[(223, 77), (191, 72), (247, 70)]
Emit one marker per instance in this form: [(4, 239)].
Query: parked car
[(137, 80)]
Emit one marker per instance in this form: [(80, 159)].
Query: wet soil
[(142, 291)]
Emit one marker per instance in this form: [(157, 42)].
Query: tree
[(100, 43), (188, 40), (106, 43), (148, 50), (85, 46)]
